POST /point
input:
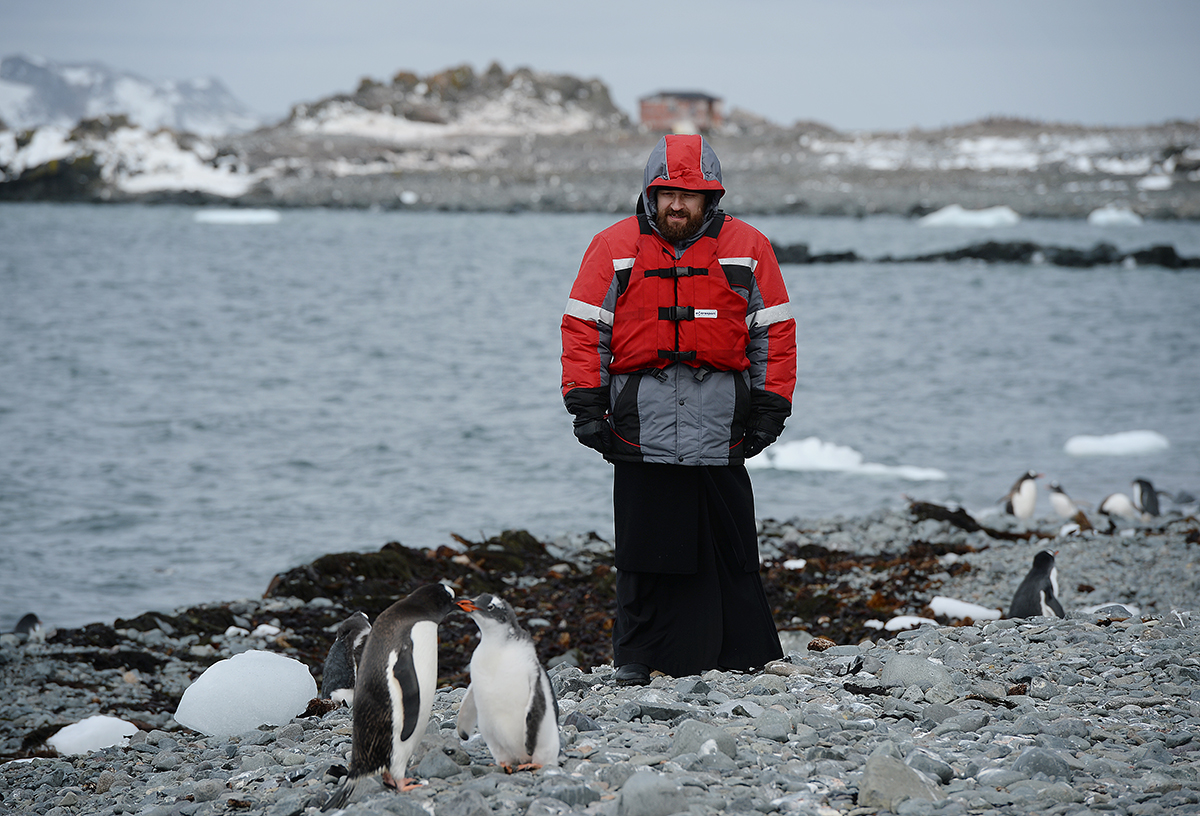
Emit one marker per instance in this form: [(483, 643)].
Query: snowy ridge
[(36, 92)]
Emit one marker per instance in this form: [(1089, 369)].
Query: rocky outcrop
[(516, 141)]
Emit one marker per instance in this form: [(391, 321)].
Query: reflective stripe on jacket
[(690, 410)]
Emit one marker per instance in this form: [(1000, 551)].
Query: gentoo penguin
[(341, 664), (1066, 507), (509, 697), (30, 626), (393, 695), (1038, 593), (1022, 496), (1145, 497), (1118, 504)]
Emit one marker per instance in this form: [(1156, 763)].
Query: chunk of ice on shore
[(245, 691), (958, 610), (955, 216), (1111, 215), (92, 734), (1126, 443)]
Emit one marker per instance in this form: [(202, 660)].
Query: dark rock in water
[(1164, 256), (1009, 252)]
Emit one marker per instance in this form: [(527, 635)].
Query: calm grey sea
[(187, 409)]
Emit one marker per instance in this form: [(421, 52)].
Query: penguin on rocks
[(1145, 497), (341, 664), (393, 695), (1066, 507), (29, 627), (1118, 504), (1038, 592), (510, 697), (1022, 496)]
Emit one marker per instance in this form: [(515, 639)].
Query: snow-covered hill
[(526, 140), (37, 92)]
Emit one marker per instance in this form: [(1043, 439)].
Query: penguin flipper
[(405, 673), (1053, 603), (467, 714)]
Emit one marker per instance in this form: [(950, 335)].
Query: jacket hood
[(686, 162)]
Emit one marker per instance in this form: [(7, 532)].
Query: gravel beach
[(1095, 713)]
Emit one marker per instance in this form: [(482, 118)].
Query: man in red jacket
[(679, 362)]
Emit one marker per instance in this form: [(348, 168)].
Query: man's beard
[(678, 233)]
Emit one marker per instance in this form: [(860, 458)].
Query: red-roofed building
[(680, 111)]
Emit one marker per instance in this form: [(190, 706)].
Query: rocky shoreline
[(1097, 712)]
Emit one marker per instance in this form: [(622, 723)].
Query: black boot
[(632, 674)]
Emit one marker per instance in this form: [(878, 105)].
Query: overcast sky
[(866, 65)]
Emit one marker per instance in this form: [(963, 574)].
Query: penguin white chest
[(424, 666), (503, 678), (1024, 499)]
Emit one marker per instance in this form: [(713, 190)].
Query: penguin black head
[(435, 599), (1044, 560)]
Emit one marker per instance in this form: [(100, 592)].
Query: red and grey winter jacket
[(681, 355)]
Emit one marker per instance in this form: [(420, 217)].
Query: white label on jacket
[(705, 313)]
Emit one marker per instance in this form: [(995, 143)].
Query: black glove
[(595, 433), (755, 441), (767, 413)]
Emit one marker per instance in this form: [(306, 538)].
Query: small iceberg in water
[(813, 454), (956, 216), (1126, 443), (237, 216), (1112, 215)]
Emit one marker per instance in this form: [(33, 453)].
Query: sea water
[(189, 407)]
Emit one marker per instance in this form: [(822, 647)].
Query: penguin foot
[(524, 766), (405, 784)]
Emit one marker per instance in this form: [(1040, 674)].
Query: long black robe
[(689, 596)]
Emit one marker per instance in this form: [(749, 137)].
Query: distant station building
[(680, 112)]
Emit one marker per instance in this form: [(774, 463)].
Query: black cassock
[(689, 595)]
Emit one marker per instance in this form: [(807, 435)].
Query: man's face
[(680, 213)]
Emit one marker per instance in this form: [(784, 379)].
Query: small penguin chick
[(341, 664), (510, 697)]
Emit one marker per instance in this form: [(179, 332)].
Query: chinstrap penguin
[(1022, 496), (1038, 592), (393, 695), (341, 664), (510, 697), (1066, 507)]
